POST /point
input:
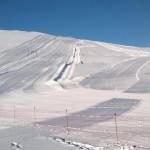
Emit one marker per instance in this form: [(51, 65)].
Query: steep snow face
[(10, 39), (31, 60)]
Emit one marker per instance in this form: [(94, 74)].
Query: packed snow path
[(66, 71), (140, 69)]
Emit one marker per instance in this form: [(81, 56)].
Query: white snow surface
[(34, 59), (43, 75), (10, 39)]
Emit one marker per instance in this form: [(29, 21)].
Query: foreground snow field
[(75, 86)]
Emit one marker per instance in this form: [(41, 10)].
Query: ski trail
[(70, 64), (76, 61), (66, 70), (139, 70), (57, 75)]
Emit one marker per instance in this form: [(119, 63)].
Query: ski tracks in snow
[(66, 70), (76, 60), (140, 69)]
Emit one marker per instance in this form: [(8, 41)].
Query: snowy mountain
[(46, 79), (29, 60)]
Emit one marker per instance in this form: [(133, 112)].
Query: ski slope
[(67, 70), (40, 59), (53, 73)]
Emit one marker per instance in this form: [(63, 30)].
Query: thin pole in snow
[(67, 122), (14, 113), (34, 114), (116, 128)]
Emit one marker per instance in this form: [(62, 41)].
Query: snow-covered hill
[(28, 59), (10, 39), (42, 76)]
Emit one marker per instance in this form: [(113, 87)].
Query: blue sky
[(117, 21)]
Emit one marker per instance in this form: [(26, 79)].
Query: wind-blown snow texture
[(31, 59)]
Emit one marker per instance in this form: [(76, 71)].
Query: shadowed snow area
[(120, 77), (143, 85), (99, 113)]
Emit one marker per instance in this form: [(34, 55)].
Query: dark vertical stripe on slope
[(61, 73)]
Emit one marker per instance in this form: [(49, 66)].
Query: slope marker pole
[(14, 113), (116, 128), (67, 122), (34, 114)]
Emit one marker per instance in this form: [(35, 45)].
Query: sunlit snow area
[(64, 93)]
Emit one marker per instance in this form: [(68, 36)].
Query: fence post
[(67, 122), (116, 128), (34, 114), (14, 113)]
